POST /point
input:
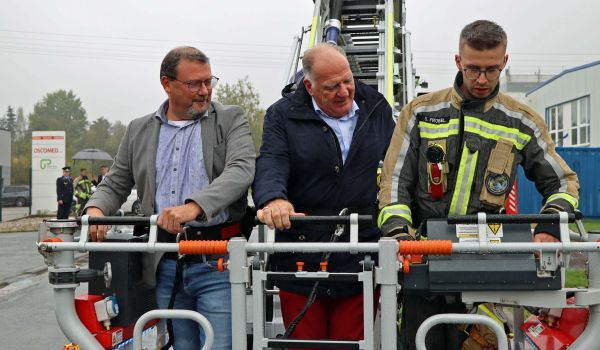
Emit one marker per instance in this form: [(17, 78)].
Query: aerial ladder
[(373, 34)]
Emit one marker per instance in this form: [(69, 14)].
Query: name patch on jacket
[(434, 119)]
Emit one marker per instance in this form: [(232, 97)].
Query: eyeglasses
[(490, 74), (195, 85)]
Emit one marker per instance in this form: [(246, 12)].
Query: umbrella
[(92, 154)]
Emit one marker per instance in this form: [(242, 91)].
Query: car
[(132, 205), (15, 196)]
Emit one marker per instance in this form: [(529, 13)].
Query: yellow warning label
[(494, 228)]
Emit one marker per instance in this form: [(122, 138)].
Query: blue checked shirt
[(180, 167)]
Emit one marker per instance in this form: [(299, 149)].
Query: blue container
[(585, 161)]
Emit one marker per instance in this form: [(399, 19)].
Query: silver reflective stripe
[(435, 131), (488, 131), (464, 182), (401, 158), (541, 143)]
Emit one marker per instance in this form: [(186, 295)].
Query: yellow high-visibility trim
[(467, 161), (572, 200), (313, 30), (518, 138), (400, 210), (437, 135), (465, 206), (490, 314), (452, 122), (438, 131), (390, 55)]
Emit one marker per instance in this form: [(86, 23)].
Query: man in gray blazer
[(192, 162)]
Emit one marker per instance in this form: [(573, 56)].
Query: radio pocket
[(496, 182)]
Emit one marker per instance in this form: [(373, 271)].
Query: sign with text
[(47, 159)]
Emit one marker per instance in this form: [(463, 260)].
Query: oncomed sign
[(47, 160)]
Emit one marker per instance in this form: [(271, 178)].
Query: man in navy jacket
[(322, 145)]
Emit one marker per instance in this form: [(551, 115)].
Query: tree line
[(63, 110)]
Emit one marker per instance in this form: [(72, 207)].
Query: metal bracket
[(353, 233)]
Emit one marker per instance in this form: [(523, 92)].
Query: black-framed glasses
[(490, 73), (195, 85)]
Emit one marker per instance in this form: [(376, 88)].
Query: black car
[(15, 196)]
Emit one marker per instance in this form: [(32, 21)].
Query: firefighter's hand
[(276, 214), (97, 232), (172, 219), (544, 237), (60, 202)]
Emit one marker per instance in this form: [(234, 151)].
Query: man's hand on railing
[(97, 232)]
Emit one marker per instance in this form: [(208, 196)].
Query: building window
[(569, 122)]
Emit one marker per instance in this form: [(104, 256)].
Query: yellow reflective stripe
[(313, 30), (390, 57), (464, 182), (495, 132), (437, 135), (572, 200), (400, 210), (434, 131), (490, 314)]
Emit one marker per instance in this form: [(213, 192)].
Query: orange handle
[(221, 264), (426, 247), (405, 266), (203, 247), (300, 265)]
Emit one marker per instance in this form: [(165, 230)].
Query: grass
[(589, 224), (576, 278)]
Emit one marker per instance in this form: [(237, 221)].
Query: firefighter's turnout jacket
[(466, 152)]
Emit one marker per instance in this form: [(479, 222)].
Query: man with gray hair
[(322, 144), (192, 162)]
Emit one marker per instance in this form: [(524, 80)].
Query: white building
[(570, 103), (517, 85)]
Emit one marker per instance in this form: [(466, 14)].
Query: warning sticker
[(470, 233), (467, 233), (495, 230), (536, 330), (117, 337)]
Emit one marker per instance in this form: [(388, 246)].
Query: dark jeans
[(416, 309)]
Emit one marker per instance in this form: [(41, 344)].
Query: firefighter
[(455, 152), (83, 190)]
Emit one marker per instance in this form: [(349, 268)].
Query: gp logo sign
[(45, 163)]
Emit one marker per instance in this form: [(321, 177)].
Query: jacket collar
[(302, 106), (481, 105)]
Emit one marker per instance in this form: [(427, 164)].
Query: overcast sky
[(109, 52)]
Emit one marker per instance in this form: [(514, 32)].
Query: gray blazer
[(229, 166)]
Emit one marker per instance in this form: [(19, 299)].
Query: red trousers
[(327, 318)]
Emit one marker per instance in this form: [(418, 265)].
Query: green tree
[(97, 134), (21, 124), (9, 121), (243, 94), (61, 110), (117, 131)]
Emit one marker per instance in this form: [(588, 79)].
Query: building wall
[(5, 149), (572, 86)]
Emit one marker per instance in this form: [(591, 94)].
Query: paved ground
[(19, 254), (12, 213)]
